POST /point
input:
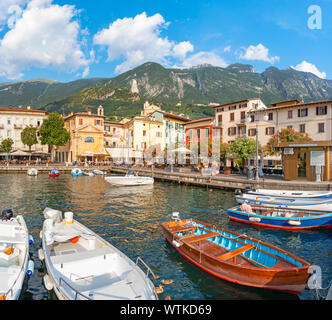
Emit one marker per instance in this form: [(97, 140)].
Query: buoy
[(177, 244), (48, 282), (31, 267), (31, 240), (41, 255), (9, 251), (255, 219), (74, 240), (294, 223), (3, 297)]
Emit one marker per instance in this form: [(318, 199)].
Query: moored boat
[(281, 218), (54, 173), (88, 173), (76, 172), (99, 172), (237, 258), (294, 202), (32, 172), (129, 180), (14, 255), (312, 195), (83, 266)]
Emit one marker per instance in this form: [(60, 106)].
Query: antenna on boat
[(176, 216)]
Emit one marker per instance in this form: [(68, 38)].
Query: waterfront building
[(87, 141), (174, 132), (12, 123)]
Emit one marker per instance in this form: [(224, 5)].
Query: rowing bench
[(233, 254), (202, 237), (181, 229)]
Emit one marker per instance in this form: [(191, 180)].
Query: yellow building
[(86, 137)]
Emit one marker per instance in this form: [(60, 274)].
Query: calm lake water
[(124, 216)]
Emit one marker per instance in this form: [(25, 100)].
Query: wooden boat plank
[(202, 237), (182, 229), (236, 252)]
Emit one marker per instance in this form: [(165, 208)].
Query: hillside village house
[(174, 129), (12, 123), (86, 138)]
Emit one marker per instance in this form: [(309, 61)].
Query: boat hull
[(284, 203), (289, 280), (130, 181), (281, 222)]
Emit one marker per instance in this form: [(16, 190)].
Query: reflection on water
[(130, 218)]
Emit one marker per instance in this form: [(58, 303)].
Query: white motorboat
[(83, 266), (99, 172), (32, 172), (88, 173), (290, 199), (14, 255), (129, 180)]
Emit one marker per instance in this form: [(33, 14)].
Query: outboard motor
[(248, 189), (6, 215), (238, 192)]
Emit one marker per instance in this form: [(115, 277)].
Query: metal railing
[(139, 259), (77, 293)]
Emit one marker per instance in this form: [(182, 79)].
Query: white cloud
[(5, 7), (138, 40), (227, 49), (305, 66), (44, 36), (258, 52), (204, 58), (181, 50)]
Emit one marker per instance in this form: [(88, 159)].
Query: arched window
[(89, 140)]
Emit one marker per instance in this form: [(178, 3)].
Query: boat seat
[(67, 258), (202, 237), (236, 252)]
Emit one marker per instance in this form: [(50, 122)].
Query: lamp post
[(249, 120)]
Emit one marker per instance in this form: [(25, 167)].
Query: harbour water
[(130, 218)]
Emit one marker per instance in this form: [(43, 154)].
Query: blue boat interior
[(259, 257)]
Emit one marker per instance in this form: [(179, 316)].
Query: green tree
[(7, 146), (242, 149), (53, 133), (29, 137)]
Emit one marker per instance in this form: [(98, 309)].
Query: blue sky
[(66, 40)]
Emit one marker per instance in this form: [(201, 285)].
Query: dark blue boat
[(281, 218)]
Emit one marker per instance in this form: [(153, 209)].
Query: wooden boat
[(88, 173), (14, 256), (83, 266), (237, 258), (292, 219), (302, 203), (129, 180)]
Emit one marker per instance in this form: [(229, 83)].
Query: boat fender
[(31, 267), (69, 218), (41, 255), (255, 219), (41, 234), (177, 244), (294, 223), (31, 240), (48, 282)]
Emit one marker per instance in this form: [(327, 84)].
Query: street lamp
[(249, 120)]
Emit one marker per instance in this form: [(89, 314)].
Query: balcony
[(18, 126)]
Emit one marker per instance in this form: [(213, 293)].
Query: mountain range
[(185, 91)]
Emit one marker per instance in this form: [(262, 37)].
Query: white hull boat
[(76, 172), (83, 266), (289, 194), (283, 201), (99, 172), (129, 180), (14, 257), (32, 172)]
